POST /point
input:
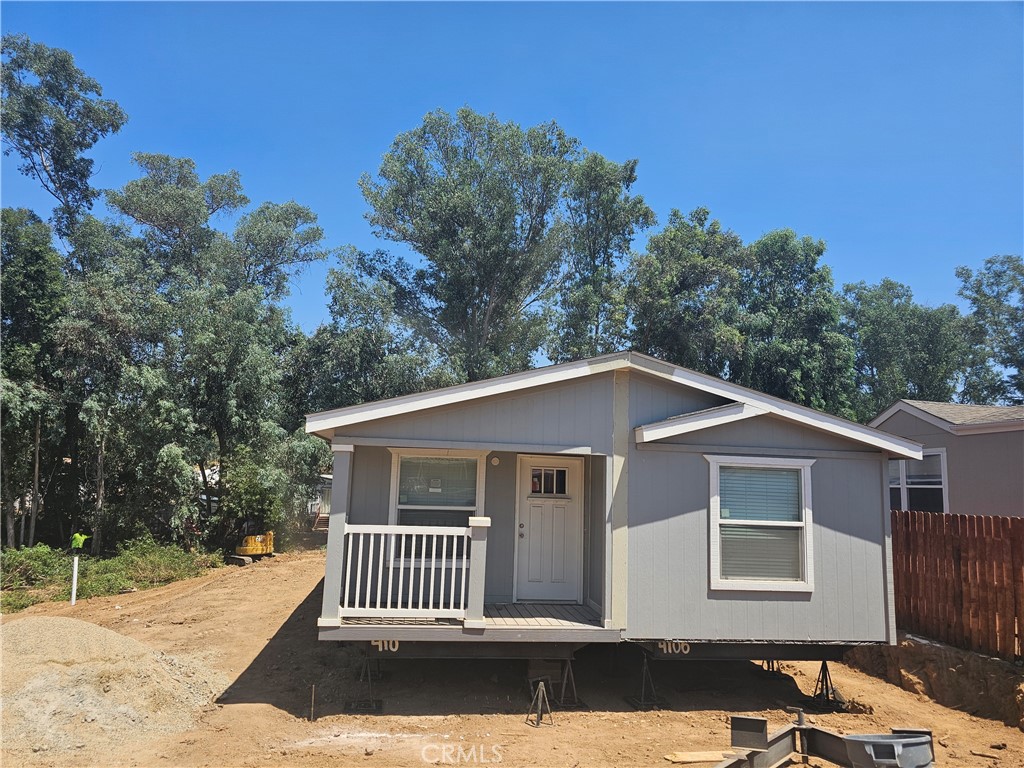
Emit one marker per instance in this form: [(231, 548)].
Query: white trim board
[(694, 422), (326, 422)]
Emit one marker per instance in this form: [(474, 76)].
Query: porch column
[(340, 483), (477, 572)]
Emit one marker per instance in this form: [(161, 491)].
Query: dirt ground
[(250, 634)]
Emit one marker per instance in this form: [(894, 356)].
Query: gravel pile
[(68, 684)]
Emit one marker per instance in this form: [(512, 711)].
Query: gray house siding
[(669, 579), (652, 400), (986, 472), (575, 414)]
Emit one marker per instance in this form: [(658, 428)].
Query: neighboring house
[(617, 498), (973, 460)]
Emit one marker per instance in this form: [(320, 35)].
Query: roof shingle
[(958, 413)]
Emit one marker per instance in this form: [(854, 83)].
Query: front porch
[(415, 552), (502, 622)]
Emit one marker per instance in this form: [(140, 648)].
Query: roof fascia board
[(894, 444), (903, 407), (326, 420), (679, 425), (988, 428)]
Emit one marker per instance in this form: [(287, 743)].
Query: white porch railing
[(406, 571)]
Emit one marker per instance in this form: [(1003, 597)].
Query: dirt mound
[(68, 683)]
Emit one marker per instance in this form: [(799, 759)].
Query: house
[(616, 498), (973, 460)]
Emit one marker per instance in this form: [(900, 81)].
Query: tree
[(793, 347), (31, 303), (477, 199), (372, 355), (996, 296), (228, 337), (903, 349), (53, 114), (683, 294), (602, 218)]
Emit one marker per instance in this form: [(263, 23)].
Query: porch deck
[(503, 622)]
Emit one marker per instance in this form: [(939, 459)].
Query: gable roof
[(959, 418), (325, 422)]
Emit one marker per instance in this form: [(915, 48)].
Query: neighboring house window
[(760, 512), (442, 488), (919, 485)]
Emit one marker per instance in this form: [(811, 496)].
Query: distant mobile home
[(619, 498), (973, 460)]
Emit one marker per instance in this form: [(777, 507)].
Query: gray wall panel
[(500, 506), (576, 413), (669, 594), (652, 399), (371, 486)]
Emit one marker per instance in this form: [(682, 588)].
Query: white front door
[(549, 529)]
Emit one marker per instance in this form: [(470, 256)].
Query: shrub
[(38, 573)]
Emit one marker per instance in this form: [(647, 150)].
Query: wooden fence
[(960, 579)]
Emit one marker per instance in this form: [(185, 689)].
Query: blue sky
[(891, 131)]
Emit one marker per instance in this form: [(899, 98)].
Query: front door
[(549, 527)]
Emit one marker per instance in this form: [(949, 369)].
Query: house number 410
[(385, 645), (673, 646)]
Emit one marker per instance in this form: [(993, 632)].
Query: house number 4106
[(385, 645), (673, 646)]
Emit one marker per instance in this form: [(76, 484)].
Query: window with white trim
[(442, 488), (760, 511), (919, 485)]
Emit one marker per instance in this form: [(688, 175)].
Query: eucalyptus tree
[(903, 349), (601, 219), (478, 200), (366, 352), (229, 335), (683, 293), (31, 303), (996, 297), (792, 343), (53, 114)]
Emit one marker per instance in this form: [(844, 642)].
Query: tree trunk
[(97, 529), (35, 488), (22, 506), (9, 514), (206, 491)]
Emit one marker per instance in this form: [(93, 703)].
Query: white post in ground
[(74, 580)]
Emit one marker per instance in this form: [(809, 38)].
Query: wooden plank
[(948, 581), (987, 611), (956, 572), (901, 580), (1017, 578), (971, 542), (1006, 612), (931, 594)]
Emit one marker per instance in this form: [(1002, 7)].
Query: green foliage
[(601, 218), (996, 296), (903, 349), (52, 115), (793, 346), (39, 573), (683, 294), (477, 199)]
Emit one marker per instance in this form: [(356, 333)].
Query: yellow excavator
[(256, 546)]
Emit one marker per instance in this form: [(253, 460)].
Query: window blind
[(759, 494), (750, 552)]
